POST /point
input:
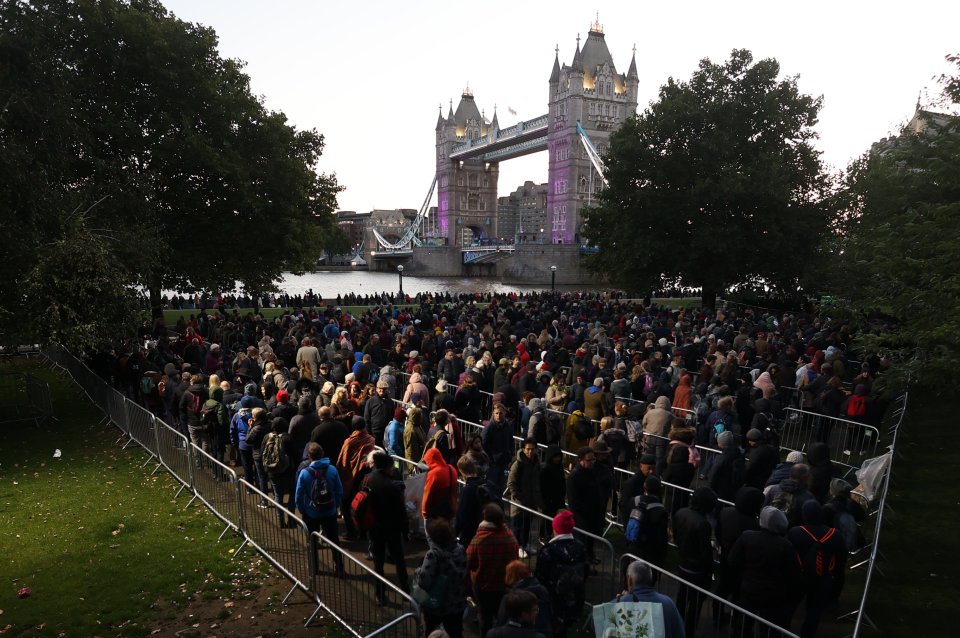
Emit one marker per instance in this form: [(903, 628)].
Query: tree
[(898, 273), (715, 184), (120, 110)]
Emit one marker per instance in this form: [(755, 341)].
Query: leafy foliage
[(714, 184), (119, 109), (900, 244)]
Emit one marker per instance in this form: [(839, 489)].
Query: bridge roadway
[(520, 139)]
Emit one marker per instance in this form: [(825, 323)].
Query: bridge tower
[(590, 91), (466, 190)]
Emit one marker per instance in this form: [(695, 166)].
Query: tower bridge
[(588, 99)]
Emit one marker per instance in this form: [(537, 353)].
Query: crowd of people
[(538, 405)]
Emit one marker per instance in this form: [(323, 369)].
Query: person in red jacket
[(493, 547), (440, 489)]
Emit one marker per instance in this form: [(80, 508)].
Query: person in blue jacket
[(319, 507), (640, 590)]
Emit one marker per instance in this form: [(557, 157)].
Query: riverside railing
[(237, 504)]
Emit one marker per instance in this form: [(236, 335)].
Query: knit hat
[(399, 414), (442, 385), (754, 434), (795, 457), (250, 390), (773, 520), (283, 396), (726, 439), (563, 522), (648, 459), (246, 402)]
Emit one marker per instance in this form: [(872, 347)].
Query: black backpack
[(208, 417), (583, 428), (817, 562), (321, 496), (554, 428)]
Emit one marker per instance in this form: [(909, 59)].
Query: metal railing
[(850, 442), (24, 397), (255, 516)]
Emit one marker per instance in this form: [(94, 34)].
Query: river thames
[(362, 282)]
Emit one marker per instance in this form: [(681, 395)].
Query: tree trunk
[(156, 304), (708, 297)]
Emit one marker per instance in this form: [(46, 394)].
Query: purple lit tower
[(592, 92), (466, 190)]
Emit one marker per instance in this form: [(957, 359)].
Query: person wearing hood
[(822, 554), (493, 547), (220, 433), (656, 427), (821, 471), (320, 520), (191, 404), (633, 487), (444, 558), (393, 436), (301, 427), (563, 568), (683, 395), (761, 459), (595, 401), (729, 470), (769, 573), (353, 459), (239, 426), (782, 471), (281, 479), (537, 423), (553, 484), (693, 535), (523, 486), (732, 522), (652, 522), (415, 385), (440, 489), (790, 494)]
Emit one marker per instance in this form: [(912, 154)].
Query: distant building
[(353, 224), (522, 215)]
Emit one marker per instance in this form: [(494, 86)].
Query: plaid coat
[(487, 557)]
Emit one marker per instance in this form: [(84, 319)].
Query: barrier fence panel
[(286, 548), (215, 485), (38, 393), (175, 454), (358, 597), (142, 427), (850, 442), (703, 610), (23, 397)]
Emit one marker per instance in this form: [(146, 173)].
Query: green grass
[(100, 542), (919, 589)]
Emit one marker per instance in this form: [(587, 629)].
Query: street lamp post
[(553, 279), (400, 273)]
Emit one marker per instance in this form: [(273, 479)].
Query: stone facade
[(522, 215)]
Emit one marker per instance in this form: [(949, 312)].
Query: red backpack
[(360, 509), (857, 406)]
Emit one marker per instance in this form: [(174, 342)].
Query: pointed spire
[(440, 116), (555, 74), (917, 108), (494, 124), (577, 64), (632, 71), (450, 114)]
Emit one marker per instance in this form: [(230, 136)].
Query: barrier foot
[(289, 594), (313, 615), (224, 533), (177, 495), (609, 527), (195, 497), (242, 545), (129, 442), (158, 466), (149, 458)]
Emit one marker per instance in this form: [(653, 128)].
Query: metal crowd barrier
[(710, 614), (850, 442), (24, 397), (235, 502)]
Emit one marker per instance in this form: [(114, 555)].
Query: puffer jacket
[(450, 561)]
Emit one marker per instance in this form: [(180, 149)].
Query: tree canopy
[(899, 241), (124, 131), (715, 184)]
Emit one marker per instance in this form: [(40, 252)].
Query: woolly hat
[(563, 522), (399, 414), (246, 402), (283, 396), (726, 439), (795, 457), (754, 434), (250, 390), (773, 520)]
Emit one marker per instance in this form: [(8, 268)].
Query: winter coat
[(498, 442), (353, 457), (414, 437), (440, 489), (728, 472), (386, 501), (523, 483), (595, 403), (761, 462), (553, 483), (450, 561), (821, 471), (330, 434), (767, 563), (491, 549), (305, 485), (393, 438), (693, 534), (585, 496)]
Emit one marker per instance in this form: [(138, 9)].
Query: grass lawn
[(919, 590), (101, 543)]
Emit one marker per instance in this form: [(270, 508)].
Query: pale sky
[(370, 74)]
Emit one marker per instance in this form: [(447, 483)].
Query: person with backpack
[(493, 547), (259, 427), (646, 528), (578, 431), (822, 555), (770, 575), (845, 514), (190, 405), (440, 581), (215, 423), (640, 589), (384, 516), (731, 523), (562, 568), (523, 487), (279, 465), (790, 494), (318, 496), (350, 463)]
